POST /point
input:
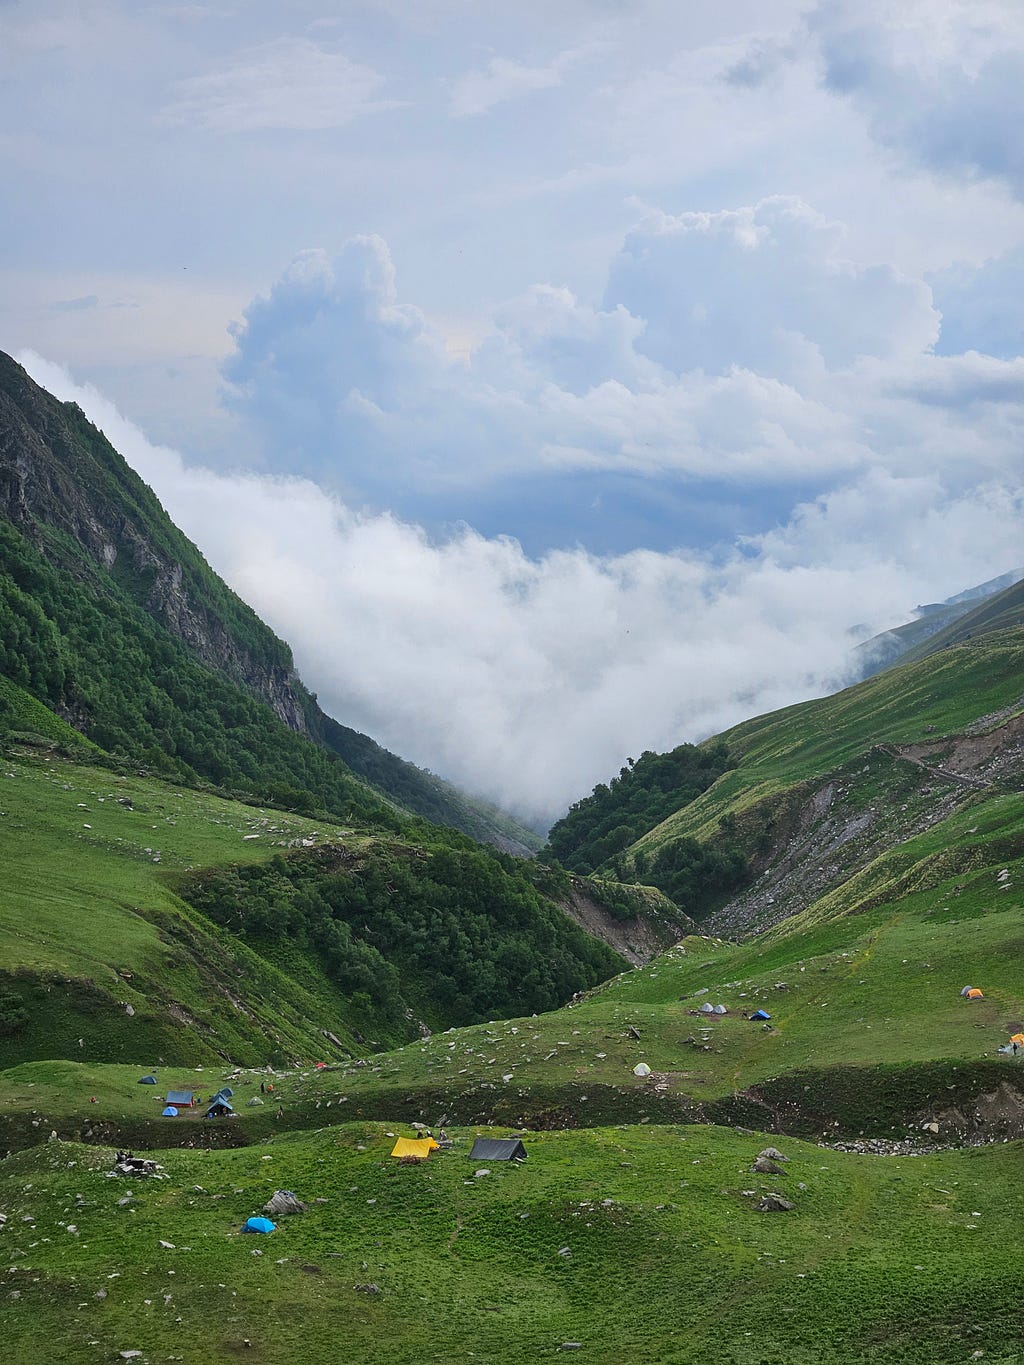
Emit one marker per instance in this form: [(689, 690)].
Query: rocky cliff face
[(54, 478)]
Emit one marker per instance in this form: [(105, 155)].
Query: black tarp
[(498, 1149)]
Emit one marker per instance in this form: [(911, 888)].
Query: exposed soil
[(638, 940)]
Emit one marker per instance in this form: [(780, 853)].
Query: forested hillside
[(616, 815), (113, 618)]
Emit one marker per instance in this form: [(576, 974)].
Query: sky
[(560, 381)]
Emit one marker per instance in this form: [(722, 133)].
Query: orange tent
[(975, 994), (1018, 1038)]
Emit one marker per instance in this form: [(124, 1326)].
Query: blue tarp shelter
[(760, 1014), (170, 1112), (258, 1225), (184, 1098), (219, 1109)]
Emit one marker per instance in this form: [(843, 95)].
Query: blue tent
[(218, 1109), (258, 1225), (184, 1097), (147, 1080), (760, 1014), (170, 1112)]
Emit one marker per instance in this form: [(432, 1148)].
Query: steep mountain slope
[(819, 790), (112, 618)]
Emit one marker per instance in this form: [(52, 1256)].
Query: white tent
[(641, 1069)]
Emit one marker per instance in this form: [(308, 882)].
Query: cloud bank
[(528, 680)]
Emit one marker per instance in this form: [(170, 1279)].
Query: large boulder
[(764, 1166), (283, 1202)]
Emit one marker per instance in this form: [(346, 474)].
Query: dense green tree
[(644, 794)]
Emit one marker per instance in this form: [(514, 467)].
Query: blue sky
[(562, 381)]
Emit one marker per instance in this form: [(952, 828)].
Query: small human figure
[(280, 1111), (263, 1088)]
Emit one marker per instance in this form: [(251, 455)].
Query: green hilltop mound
[(143, 920)]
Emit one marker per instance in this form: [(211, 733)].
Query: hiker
[(263, 1088), (280, 1111)]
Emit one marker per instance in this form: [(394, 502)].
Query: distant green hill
[(1000, 611), (113, 619), (913, 640)]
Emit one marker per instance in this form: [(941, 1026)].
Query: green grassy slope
[(89, 927), (102, 958), (855, 740), (913, 639), (634, 1243)]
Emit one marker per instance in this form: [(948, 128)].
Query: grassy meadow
[(637, 1243)]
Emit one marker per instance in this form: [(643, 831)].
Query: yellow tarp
[(1018, 1038), (414, 1147), (975, 994)]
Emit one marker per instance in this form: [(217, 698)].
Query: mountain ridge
[(64, 487)]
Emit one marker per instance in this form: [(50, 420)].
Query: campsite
[(634, 1241)]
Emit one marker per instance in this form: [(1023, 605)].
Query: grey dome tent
[(720, 1009), (498, 1149), (147, 1080), (707, 1008)]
